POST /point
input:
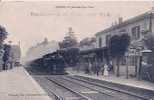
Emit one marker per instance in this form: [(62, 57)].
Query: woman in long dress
[(106, 73)]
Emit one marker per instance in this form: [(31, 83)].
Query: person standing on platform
[(106, 73)]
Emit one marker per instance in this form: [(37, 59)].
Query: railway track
[(57, 91), (50, 93), (92, 94), (77, 88), (119, 93)]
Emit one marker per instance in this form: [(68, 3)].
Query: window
[(100, 42), (108, 39), (136, 32)]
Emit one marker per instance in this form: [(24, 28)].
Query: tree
[(3, 34), (71, 56), (69, 40), (117, 48)]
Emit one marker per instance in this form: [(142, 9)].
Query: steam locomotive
[(56, 62)]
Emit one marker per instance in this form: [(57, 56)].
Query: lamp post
[(127, 62)]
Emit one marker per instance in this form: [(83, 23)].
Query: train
[(57, 61)]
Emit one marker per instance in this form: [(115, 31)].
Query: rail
[(75, 92), (114, 89)]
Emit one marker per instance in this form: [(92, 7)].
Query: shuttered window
[(136, 32)]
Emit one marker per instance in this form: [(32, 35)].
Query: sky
[(30, 22)]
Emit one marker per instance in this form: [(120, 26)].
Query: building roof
[(94, 50), (126, 22)]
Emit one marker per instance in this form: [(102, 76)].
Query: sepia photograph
[(76, 50)]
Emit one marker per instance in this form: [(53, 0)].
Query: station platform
[(133, 82), (17, 84)]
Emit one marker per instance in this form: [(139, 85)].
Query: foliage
[(71, 56), (118, 45), (6, 55), (117, 48), (3, 34), (69, 40)]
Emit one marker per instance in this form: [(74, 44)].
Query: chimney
[(120, 20)]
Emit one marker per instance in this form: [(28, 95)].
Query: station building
[(136, 27)]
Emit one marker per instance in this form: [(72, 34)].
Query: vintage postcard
[(76, 50)]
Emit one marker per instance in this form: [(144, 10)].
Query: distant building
[(41, 49), (136, 27), (16, 54)]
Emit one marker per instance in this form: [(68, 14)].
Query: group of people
[(6, 57), (95, 67)]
